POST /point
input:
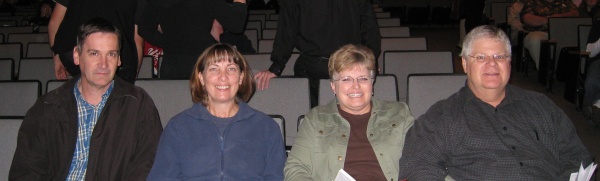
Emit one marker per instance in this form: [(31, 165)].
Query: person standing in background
[(317, 28), (185, 27), (68, 15)]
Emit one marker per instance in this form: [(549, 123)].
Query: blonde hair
[(349, 56)]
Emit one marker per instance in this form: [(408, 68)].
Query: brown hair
[(95, 25), (217, 53), (349, 56)]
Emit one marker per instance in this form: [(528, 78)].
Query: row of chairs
[(41, 69), (173, 96), (262, 38), (5, 31), (424, 89)]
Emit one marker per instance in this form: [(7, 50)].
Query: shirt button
[(521, 163), (381, 154), (505, 128), (320, 131), (394, 125), (371, 134), (344, 135), (339, 157)]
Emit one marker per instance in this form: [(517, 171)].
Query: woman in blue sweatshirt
[(220, 137)]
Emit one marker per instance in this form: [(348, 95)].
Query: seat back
[(146, 68), (272, 24), (265, 46), (583, 33), (41, 69), (255, 25), (262, 61), (6, 69), (12, 51), (383, 15), (54, 84), (258, 17), (403, 63), (564, 31), (396, 44), (269, 33), (252, 35), (262, 11), (384, 88), (38, 50), (258, 62), (15, 29), (498, 11), (286, 96), (170, 96), (424, 90), (281, 122), (394, 32), (17, 97), (9, 129), (384, 22), (25, 38), (488, 5)]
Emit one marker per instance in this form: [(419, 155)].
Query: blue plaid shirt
[(87, 117)]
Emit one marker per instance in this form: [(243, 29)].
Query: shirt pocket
[(325, 139)]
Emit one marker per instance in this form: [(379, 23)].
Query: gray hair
[(484, 31)]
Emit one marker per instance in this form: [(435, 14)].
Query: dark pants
[(125, 72), (176, 66), (314, 68), (592, 84)]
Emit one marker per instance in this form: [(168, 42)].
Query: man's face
[(488, 73), (98, 60)]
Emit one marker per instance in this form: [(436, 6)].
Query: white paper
[(584, 174), (343, 176)]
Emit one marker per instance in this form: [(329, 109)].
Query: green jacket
[(320, 146)]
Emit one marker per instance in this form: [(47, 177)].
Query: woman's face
[(353, 88), (221, 80)]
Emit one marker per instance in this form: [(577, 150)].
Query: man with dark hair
[(68, 15), (490, 130), (94, 127)]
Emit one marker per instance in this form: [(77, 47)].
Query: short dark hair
[(217, 53), (96, 25)]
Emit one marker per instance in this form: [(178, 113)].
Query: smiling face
[(489, 74), (98, 60), (353, 95), (221, 80)]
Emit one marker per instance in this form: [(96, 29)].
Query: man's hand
[(262, 79), (59, 70)]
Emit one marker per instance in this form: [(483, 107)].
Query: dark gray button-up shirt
[(526, 137)]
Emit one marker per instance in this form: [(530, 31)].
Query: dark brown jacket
[(123, 142)]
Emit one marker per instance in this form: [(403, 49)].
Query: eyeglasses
[(483, 58), (349, 80)]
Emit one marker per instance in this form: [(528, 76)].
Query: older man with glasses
[(490, 130)]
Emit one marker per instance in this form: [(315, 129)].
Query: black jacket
[(122, 146)]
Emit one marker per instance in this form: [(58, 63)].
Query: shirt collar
[(105, 96)]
